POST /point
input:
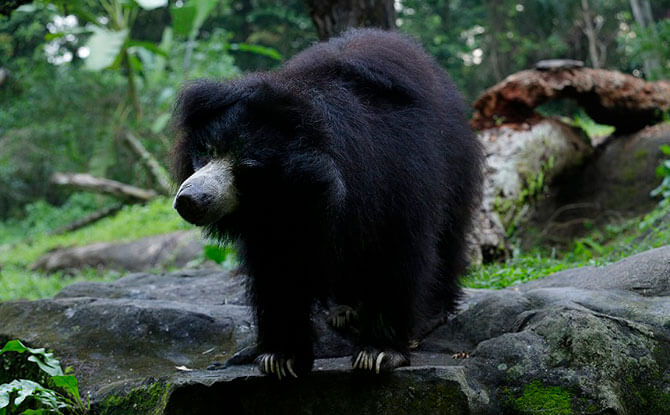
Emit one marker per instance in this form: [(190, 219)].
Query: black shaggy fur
[(357, 177)]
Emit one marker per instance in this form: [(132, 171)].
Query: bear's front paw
[(277, 365), (379, 361)]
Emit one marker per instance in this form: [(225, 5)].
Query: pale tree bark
[(332, 17), (104, 186), (591, 35)]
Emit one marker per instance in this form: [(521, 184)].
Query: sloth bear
[(348, 175)]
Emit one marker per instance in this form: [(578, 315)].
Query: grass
[(21, 243), (599, 247), (17, 254)]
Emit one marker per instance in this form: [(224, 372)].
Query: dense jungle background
[(78, 78), (88, 87), (570, 98)]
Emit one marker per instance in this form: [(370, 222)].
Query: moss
[(144, 400), (536, 398), (654, 401), (641, 154)]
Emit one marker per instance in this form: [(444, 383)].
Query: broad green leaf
[(105, 45), (665, 148), (187, 20), (14, 346), (26, 389), (49, 365), (203, 9), (182, 19), (69, 384), (22, 387), (151, 4), (5, 390)]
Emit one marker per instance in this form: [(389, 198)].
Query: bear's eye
[(202, 156), (250, 163)]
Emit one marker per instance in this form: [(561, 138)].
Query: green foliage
[(54, 392), (43, 130), (663, 171), (590, 127), (650, 43), (600, 247), (221, 254), (41, 217), (519, 269), (132, 222), (16, 255)]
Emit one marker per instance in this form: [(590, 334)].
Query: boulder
[(613, 184), (175, 249), (587, 340)]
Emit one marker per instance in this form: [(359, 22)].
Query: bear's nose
[(193, 205)]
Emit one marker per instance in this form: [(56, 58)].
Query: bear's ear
[(201, 100), (316, 173), (280, 106), (374, 82)]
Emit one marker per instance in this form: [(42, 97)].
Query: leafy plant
[(590, 127), (59, 395), (221, 254), (663, 171)]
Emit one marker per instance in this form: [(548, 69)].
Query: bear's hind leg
[(385, 320)]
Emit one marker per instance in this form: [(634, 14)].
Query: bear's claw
[(378, 361), (341, 316), (275, 364)]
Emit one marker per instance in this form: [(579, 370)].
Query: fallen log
[(105, 186), (609, 97), (520, 165)]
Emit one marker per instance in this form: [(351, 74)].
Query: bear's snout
[(207, 195)]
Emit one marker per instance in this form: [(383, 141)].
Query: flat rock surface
[(592, 340)]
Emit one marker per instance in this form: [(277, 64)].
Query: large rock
[(175, 249), (588, 340)]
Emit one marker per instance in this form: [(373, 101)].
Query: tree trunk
[(591, 35), (332, 17)]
